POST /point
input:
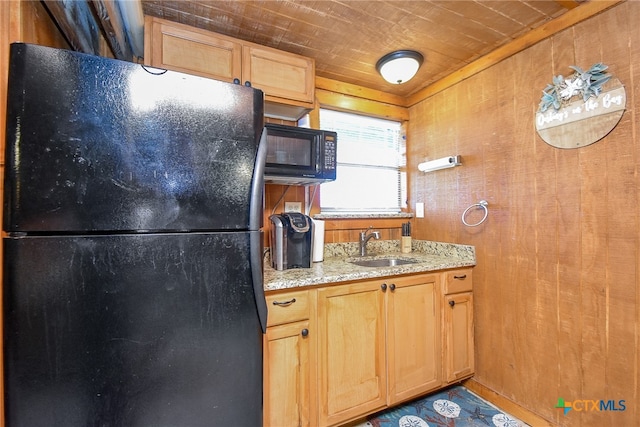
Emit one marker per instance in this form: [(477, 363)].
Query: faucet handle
[(364, 232), (369, 232)]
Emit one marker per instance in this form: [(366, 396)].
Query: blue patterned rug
[(452, 407)]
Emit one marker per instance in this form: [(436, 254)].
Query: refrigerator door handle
[(257, 185), (256, 274)]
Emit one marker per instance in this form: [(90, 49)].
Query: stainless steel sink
[(383, 262)]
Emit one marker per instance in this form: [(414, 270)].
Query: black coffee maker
[(291, 240)]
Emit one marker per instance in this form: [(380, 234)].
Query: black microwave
[(299, 156)]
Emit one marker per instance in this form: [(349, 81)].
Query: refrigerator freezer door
[(95, 144), (132, 330)]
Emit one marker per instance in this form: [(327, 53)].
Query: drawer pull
[(284, 303), (464, 276)]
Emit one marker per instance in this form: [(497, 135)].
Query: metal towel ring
[(481, 204)]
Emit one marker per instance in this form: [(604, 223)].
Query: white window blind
[(371, 175)]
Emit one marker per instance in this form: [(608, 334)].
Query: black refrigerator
[(133, 290)]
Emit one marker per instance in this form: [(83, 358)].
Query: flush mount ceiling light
[(399, 66)]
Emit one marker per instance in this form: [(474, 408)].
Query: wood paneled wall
[(557, 282), (336, 230)]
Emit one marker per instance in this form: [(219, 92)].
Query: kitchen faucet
[(364, 238)]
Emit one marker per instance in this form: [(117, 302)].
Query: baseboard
[(506, 404)]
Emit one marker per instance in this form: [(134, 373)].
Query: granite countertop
[(336, 268)]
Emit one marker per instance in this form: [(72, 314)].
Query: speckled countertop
[(335, 268)]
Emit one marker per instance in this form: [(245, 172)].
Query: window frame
[(400, 169)]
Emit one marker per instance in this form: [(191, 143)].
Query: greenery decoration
[(586, 83)]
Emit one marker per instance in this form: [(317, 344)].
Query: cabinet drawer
[(287, 307), (457, 281)]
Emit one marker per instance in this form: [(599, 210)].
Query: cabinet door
[(189, 50), (413, 336), (279, 74), (458, 321), (287, 376), (351, 351)]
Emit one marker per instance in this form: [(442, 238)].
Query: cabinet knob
[(464, 276), (383, 287), (247, 83), (236, 81), (304, 332), (392, 286), (452, 303)]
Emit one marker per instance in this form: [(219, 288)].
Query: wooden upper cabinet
[(287, 79), (191, 50), (279, 74)]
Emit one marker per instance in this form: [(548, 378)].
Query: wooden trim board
[(506, 404)]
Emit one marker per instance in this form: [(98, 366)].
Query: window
[(371, 175)]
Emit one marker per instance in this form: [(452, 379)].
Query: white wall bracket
[(443, 163)]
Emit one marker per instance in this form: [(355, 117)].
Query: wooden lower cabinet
[(413, 337), (289, 361), (458, 343), (337, 353), (351, 351), (379, 344), (287, 376)]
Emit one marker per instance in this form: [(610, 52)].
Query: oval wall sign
[(580, 110)]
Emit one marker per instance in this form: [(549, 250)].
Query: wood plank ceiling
[(346, 38)]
